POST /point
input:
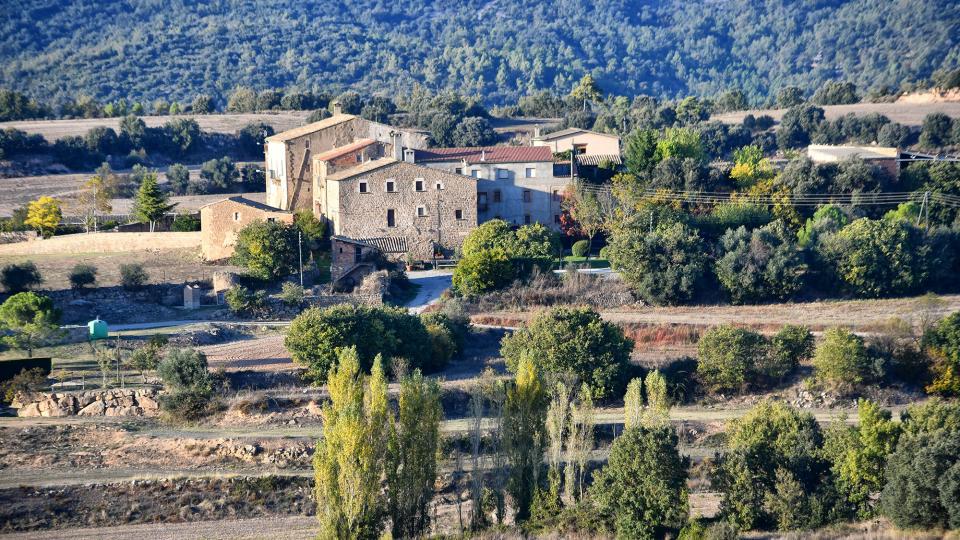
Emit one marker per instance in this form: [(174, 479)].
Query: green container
[(98, 329)]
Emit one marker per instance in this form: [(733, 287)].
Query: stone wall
[(14, 237), (221, 221), (116, 402), (104, 242)]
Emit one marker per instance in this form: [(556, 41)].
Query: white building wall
[(276, 162)]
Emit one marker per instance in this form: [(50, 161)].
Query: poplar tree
[(657, 412), (582, 422), (412, 457), (633, 404), (556, 424), (349, 460), (151, 203), (524, 416)]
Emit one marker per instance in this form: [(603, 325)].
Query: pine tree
[(412, 457), (151, 203), (349, 460)]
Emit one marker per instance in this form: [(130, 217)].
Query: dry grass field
[(909, 114), (216, 123)]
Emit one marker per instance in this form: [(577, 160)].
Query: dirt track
[(260, 353), (910, 114), (280, 528)]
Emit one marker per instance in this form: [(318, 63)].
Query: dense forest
[(498, 50)]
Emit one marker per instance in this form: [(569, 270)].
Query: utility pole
[(300, 251), (924, 210)]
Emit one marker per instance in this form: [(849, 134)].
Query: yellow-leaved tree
[(44, 215), (349, 460)]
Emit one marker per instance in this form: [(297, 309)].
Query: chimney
[(397, 148), (536, 131), (409, 155), (483, 155), (335, 107)]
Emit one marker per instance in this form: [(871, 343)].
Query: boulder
[(147, 403), (28, 410), (96, 408)]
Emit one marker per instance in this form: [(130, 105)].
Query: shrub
[(82, 275), (761, 265), (841, 359), (243, 301), (580, 248), (923, 481), (458, 325), (267, 249), (771, 473), (185, 223), (642, 491), (482, 272), (291, 294), (729, 359), (788, 347), (25, 382), (574, 341), (188, 383), (942, 343), (133, 276), (665, 266), (443, 345), (317, 334), (29, 320), (19, 277)]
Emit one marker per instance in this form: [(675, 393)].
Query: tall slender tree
[(556, 424), (524, 415), (633, 404), (582, 422)]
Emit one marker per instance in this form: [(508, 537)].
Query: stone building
[(289, 155), (513, 183), (398, 207), (220, 221)]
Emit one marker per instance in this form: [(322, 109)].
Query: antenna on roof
[(483, 155)]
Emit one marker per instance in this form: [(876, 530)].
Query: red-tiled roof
[(488, 154), (346, 149)]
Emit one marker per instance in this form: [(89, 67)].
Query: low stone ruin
[(116, 402)]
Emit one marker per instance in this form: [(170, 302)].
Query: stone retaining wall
[(116, 402), (104, 242)]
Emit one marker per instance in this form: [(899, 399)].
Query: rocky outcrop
[(116, 402)]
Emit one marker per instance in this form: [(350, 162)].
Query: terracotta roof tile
[(346, 149), (487, 154)]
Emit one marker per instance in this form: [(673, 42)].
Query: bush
[(458, 325), (580, 248), (482, 272), (923, 481), (242, 301), (133, 276), (317, 334), (771, 472), (291, 294), (730, 359), (942, 343), (19, 277), (25, 382), (185, 223), (665, 266), (188, 383), (574, 341), (83, 275), (790, 345), (267, 249), (761, 265), (841, 359), (642, 491), (443, 345)]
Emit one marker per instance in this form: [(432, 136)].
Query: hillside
[(499, 49)]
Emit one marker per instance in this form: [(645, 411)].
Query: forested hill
[(496, 49)]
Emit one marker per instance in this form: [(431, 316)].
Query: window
[(556, 195), (271, 220), (359, 157), (527, 195), (357, 254), (482, 201), (306, 144), (418, 185), (391, 220), (579, 149), (530, 172), (439, 186), (556, 218), (475, 173), (496, 195), (503, 174), (391, 186), (458, 214), (236, 216), (421, 211), (526, 219), (458, 170), (363, 187)]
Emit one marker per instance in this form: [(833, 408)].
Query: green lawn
[(593, 262)]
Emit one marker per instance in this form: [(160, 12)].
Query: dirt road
[(278, 528), (910, 114)]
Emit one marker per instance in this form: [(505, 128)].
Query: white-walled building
[(583, 142), (514, 183)]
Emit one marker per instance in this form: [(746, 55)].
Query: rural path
[(432, 284), (278, 528)]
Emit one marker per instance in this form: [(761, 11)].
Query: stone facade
[(116, 402), (289, 155), (350, 260), (398, 207), (220, 222)]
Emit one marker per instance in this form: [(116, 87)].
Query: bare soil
[(216, 123), (910, 114)]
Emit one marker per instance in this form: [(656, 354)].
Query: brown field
[(910, 114), (216, 123), (16, 192)]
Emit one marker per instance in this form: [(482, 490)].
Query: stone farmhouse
[(582, 142), (513, 183), (220, 221)]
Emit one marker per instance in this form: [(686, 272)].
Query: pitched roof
[(485, 154), (248, 202), (571, 131), (346, 149), (599, 159), (362, 168), (310, 128), (387, 244)]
